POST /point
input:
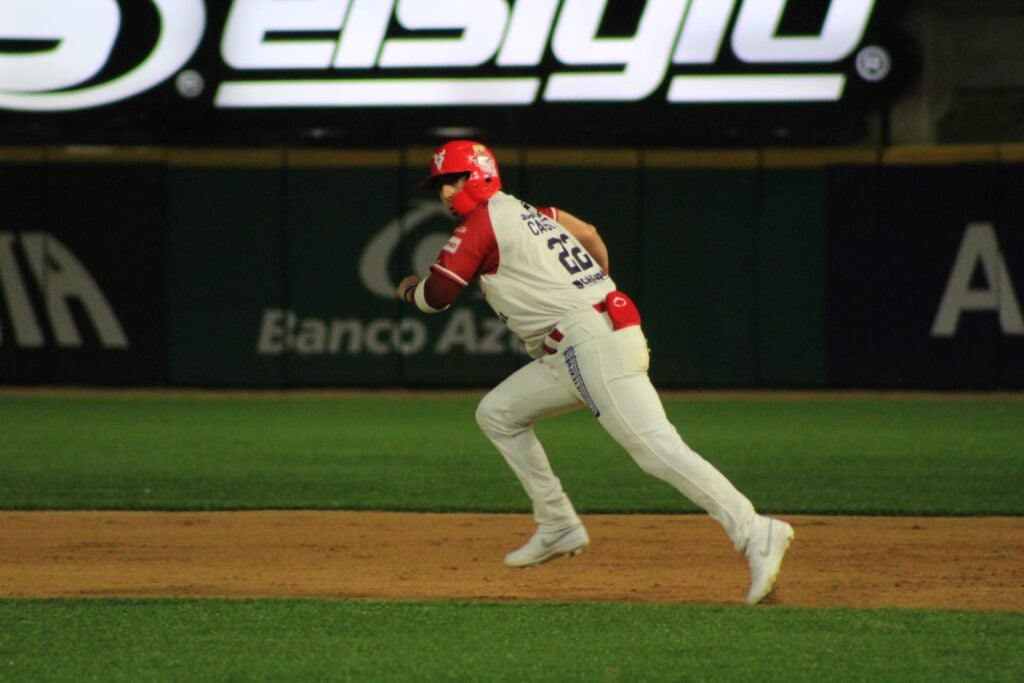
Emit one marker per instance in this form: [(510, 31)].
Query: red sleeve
[(471, 250), (439, 291), (549, 211)]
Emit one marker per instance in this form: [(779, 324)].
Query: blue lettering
[(539, 226)]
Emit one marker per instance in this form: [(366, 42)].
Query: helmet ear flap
[(478, 189), (463, 202)]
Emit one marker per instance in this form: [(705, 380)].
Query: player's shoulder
[(478, 227), (478, 218), (487, 213), (504, 205), (523, 207)]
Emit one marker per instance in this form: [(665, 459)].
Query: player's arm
[(587, 235), (431, 295), (471, 250)]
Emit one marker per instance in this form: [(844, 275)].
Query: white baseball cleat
[(547, 545), (769, 539)]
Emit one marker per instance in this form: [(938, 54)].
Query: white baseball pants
[(606, 371)]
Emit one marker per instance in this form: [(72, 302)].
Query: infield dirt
[(964, 563)]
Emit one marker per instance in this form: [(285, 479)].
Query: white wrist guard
[(420, 297)]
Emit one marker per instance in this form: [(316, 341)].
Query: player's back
[(543, 273)]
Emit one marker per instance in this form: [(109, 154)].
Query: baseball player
[(545, 273)]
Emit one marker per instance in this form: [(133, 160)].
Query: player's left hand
[(407, 282)]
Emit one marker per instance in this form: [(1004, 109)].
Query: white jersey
[(530, 269)]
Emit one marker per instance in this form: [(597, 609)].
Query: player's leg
[(613, 370), (507, 414)]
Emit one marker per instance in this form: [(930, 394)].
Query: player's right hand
[(403, 286)]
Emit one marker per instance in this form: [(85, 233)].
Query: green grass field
[(889, 455), (368, 641), (828, 454)]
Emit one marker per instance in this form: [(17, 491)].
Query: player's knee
[(656, 452), (651, 465), (489, 414)]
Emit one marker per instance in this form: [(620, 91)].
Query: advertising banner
[(356, 225), (284, 275), (378, 72), (277, 267), (852, 343), (744, 271), (24, 350), (950, 300), (333, 329), (1008, 274), (81, 272), (698, 249), (791, 278), (924, 281), (225, 266)]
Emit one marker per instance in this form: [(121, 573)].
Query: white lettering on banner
[(645, 56), (61, 278), (761, 88), (363, 33), (346, 52), (27, 332), (701, 38), (283, 331), (85, 32), (463, 333), (980, 247), (482, 23), (754, 38), (528, 31), (669, 32), (245, 45)]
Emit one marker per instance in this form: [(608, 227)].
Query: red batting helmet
[(466, 156)]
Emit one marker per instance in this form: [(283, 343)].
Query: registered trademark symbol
[(190, 84), (873, 63)]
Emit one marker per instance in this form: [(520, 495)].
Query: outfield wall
[(899, 268)]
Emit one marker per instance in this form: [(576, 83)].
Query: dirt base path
[(973, 563)]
